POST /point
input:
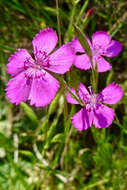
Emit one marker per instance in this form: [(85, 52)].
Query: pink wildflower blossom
[(94, 111), (31, 81), (102, 45)]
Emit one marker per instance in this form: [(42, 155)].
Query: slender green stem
[(16, 152), (58, 22), (85, 22), (84, 7), (96, 184), (52, 128), (65, 110), (77, 93), (116, 30), (94, 81), (116, 27), (84, 42), (70, 28), (117, 122), (72, 94)]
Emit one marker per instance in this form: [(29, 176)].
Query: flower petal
[(43, 90), (103, 117), (112, 94), (82, 120), (70, 99), (113, 49), (61, 60), (100, 38), (89, 42), (102, 64), (77, 46), (45, 41), (18, 89), (16, 61), (83, 92), (82, 62)]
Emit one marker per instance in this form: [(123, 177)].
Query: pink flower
[(94, 111), (102, 45), (31, 81)]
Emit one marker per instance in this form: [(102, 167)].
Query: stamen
[(46, 62), (90, 90), (27, 63), (92, 102), (40, 55), (41, 59), (31, 73), (35, 70)]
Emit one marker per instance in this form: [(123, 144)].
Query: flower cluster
[(32, 79)]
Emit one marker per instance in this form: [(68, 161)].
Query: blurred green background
[(39, 148)]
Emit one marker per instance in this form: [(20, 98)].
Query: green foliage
[(82, 39), (29, 112), (39, 148)]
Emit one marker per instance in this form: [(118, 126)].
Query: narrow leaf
[(58, 138), (83, 40), (29, 112), (53, 104)]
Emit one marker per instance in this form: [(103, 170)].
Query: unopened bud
[(90, 12)]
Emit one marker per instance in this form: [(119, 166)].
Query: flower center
[(41, 59), (37, 66), (92, 101), (96, 50), (34, 69)]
